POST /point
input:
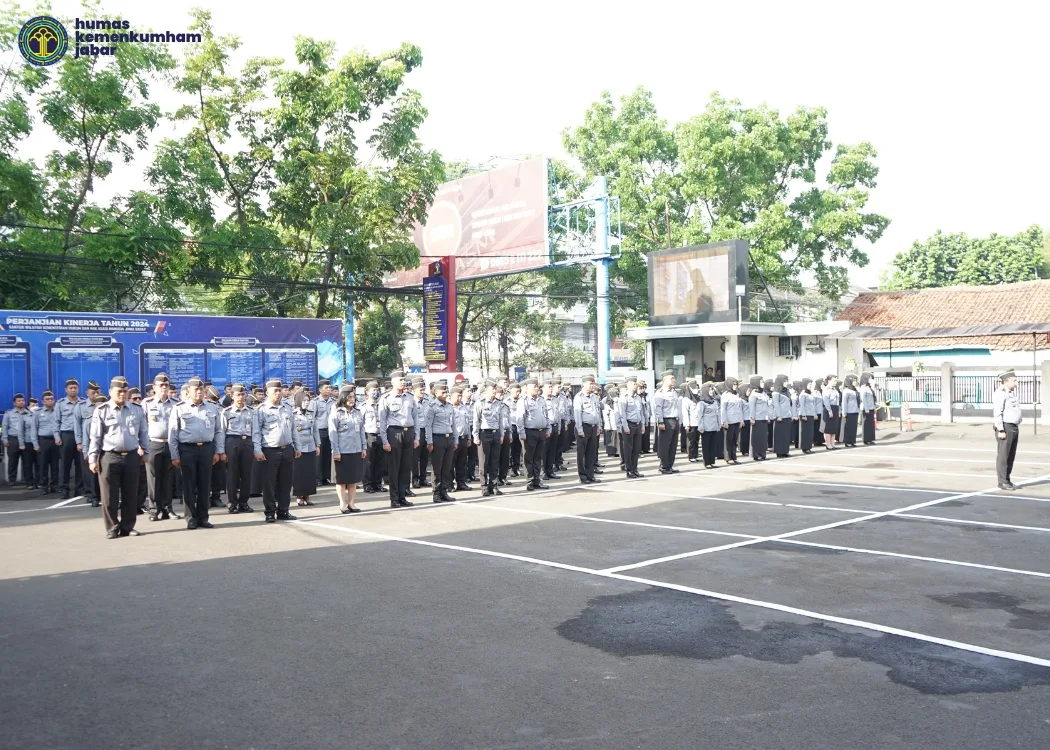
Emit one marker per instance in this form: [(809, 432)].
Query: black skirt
[(611, 445), (805, 434), (817, 433), (869, 427), (349, 468), (759, 431), (745, 439), (304, 475), (782, 437), (849, 433), (832, 425)]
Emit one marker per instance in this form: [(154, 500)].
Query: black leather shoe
[(141, 511), (406, 504), (191, 524), (638, 476), (170, 511), (463, 488), (666, 471), (515, 473), (283, 515), (596, 481), (129, 532), (497, 491), (415, 483), (599, 471), (270, 517), (112, 534), (395, 504), (437, 499), (355, 510), (244, 508), (205, 525), (344, 511), (542, 486), (1006, 486), (64, 495), (409, 493), (531, 488), (584, 480), (675, 471), (232, 509), (487, 492), (153, 516), (425, 483), (96, 504)]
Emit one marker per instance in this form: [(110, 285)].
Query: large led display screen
[(698, 284)]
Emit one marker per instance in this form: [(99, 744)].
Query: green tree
[(948, 259), (380, 335)]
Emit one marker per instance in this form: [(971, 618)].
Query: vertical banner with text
[(439, 316)]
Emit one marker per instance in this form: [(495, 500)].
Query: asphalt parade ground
[(879, 597)]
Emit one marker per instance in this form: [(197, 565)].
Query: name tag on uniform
[(299, 428), (207, 423)]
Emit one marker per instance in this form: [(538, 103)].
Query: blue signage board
[(435, 319), (40, 351)]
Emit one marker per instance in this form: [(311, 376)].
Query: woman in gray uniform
[(346, 430), (850, 411), (832, 412), (867, 407), (304, 468), (783, 414), (709, 423), (760, 408), (745, 428), (807, 413)]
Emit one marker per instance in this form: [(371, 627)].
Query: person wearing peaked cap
[(45, 437), (218, 471), (69, 447), (322, 406), (421, 458), (238, 425), (197, 443), (587, 413), (516, 437), (375, 456), (118, 448), (275, 444), (16, 433), (1006, 415), (667, 414), (398, 425), (628, 419), (490, 430), (551, 444), (462, 416)]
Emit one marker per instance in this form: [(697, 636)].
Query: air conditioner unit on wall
[(814, 346)]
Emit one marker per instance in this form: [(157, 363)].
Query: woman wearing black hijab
[(709, 423), (304, 468), (850, 411), (817, 391), (744, 392), (867, 407), (807, 413), (833, 412), (783, 414)]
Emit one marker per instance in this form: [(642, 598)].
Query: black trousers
[(491, 444), (460, 461), (277, 478), (684, 436), (552, 448), (159, 476), (419, 469), (587, 451), (14, 456), (745, 439), (218, 481), (805, 434), (373, 474), (869, 427), (118, 487), (504, 456), (472, 458), (402, 455), (535, 453), (91, 488), (47, 462), (632, 446), (667, 444), (442, 458), (515, 449), (647, 435), (239, 457), (1005, 452), (567, 436), (70, 456), (692, 437), (195, 467), (732, 438), (30, 465), (140, 493), (325, 459)]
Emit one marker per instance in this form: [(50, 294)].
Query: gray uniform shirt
[(307, 431), (200, 423), (830, 397), (732, 408), (629, 408), (489, 415), (782, 408), (157, 415), (666, 405), (850, 401), (532, 415), (67, 414), (397, 411), (14, 427), (82, 421), (463, 417), (867, 398), (273, 427), (708, 418), (371, 414), (807, 405), (1006, 408), (322, 408), (238, 422), (346, 430), (45, 424), (441, 420), (114, 429), (759, 406), (587, 409)]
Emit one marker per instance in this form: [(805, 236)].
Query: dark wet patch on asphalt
[(1024, 618), (953, 504), (661, 622), (880, 466)]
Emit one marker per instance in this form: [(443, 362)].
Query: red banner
[(493, 223)]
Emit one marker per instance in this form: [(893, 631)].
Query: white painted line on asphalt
[(1011, 496), (811, 530), (876, 627), (952, 449), (686, 496), (64, 502), (775, 479), (976, 523)]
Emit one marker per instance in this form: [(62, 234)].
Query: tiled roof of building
[(1026, 302)]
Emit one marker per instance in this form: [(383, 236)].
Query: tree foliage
[(948, 259)]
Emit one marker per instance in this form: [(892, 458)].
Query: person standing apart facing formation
[(397, 429), (118, 448), (630, 419), (197, 443), (346, 428), (304, 468), (442, 441), (833, 411), (1006, 413), (867, 408), (667, 412), (238, 424), (587, 413)]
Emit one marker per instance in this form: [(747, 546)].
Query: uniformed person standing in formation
[(45, 437), (534, 425), (629, 421), (15, 429), (709, 423), (807, 412), (159, 475), (550, 460), (867, 408), (587, 414), (238, 425), (421, 465), (442, 441), (346, 427), (832, 411), (760, 407), (463, 424), (376, 456), (490, 430), (397, 429), (308, 444), (783, 414), (322, 408), (731, 415), (69, 450), (218, 472), (197, 443), (275, 444), (850, 411), (667, 413), (516, 439), (118, 448), (1006, 413), (82, 425)]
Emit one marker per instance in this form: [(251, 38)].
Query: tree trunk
[(322, 298), (463, 330), (392, 330), (504, 351)]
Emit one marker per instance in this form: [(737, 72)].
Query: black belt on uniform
[(196, 444), (398, 427), (444, 435), (322, 429), (492, 430), (119, 453), (233, 435), (63, 432), (276, 447)]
